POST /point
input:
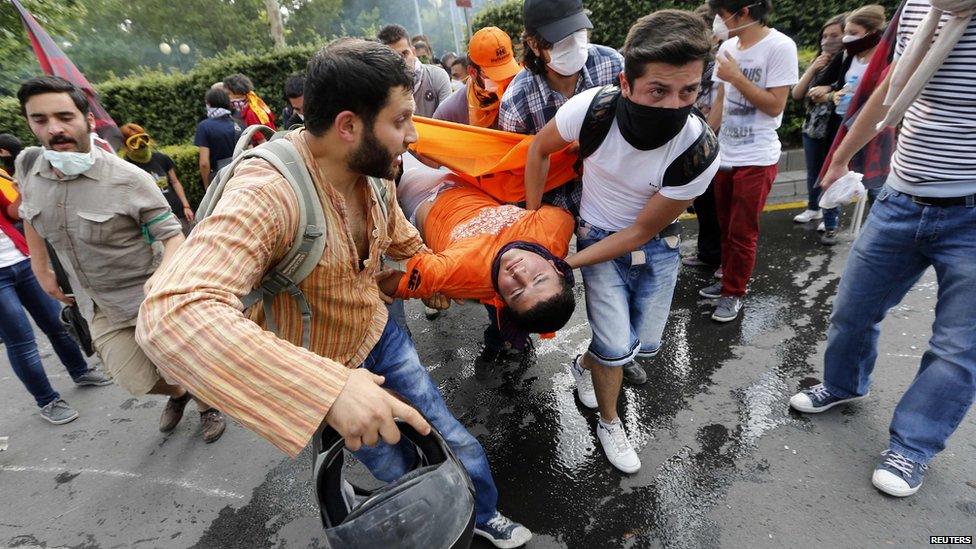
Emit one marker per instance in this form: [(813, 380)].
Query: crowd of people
[(684, 115)]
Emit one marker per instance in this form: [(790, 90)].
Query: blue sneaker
[(502, 532), (818, 399), (897, 475)]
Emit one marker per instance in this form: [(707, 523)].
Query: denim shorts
[(628, 298)]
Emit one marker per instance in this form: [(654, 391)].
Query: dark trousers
[(709, 232)]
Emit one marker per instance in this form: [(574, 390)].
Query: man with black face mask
[(10, 147), (656, 157)]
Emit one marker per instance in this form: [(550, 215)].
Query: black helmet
[(429, 507)]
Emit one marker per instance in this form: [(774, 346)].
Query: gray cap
[(555, 19)]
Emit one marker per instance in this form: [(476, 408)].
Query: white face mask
[(569, 54), (721, 30), (490, 85), (70, 163)]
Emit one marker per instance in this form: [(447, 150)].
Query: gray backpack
[(309, 242)]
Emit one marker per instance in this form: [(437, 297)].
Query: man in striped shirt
[(924, 216), (358, 120)]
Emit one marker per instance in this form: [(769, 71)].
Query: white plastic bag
[(843, 191)]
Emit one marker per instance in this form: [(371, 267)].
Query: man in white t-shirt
[(646, 156), (755, 68)]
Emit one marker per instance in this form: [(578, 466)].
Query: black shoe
[(829, 238), (634, 373)]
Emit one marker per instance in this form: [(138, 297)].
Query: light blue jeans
[(899, 241), (395, 358), (628, 298)]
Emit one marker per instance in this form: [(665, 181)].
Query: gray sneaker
[(93, 377), (727, 309), (58, 412), (712, 292), (634, 373)]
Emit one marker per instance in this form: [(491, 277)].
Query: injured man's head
[(536, 286)]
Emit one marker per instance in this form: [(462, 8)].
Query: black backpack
[(686, 167)]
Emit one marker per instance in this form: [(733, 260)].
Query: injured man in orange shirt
[(497, 253)]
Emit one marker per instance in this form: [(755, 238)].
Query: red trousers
[(740, 195)]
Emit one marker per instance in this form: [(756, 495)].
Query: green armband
[(145, 226)]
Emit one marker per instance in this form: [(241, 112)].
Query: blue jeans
[(628, 298), (19, 290), (395, 358), (899, 241), (814, 152)]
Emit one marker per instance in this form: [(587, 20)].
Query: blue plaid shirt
[(529, 102)]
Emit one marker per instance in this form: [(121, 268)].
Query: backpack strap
[(596, 123), (308, 245), (695, 159)]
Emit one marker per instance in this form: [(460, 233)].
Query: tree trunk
[(274, 18)]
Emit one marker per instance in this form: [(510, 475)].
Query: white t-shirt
[(9, 254), (618, 179), (851, 79), (748, 135)]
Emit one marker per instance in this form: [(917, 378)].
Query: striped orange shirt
[(192, 325)]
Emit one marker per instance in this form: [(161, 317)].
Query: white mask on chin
[(568, 56), (70, 163)]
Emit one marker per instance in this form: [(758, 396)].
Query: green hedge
[(800, 19), (170, 105), (185, 157)]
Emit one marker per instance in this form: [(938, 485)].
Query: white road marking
[(180, 483)]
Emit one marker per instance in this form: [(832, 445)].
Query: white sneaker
[(821, 227), (808, 216), (617, 446), (584, 383)]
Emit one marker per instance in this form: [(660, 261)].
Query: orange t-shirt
[(465, 228)]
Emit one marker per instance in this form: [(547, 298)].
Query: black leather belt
[(944, 202)]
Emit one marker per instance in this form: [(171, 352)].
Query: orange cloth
[(260, 109), (491, 160), (7, 187), (465, 228), (483, 105)]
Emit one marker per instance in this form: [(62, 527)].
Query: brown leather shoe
[(173, 412), (212, 424)]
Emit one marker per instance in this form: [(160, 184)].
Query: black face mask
[(8, 164), (863, 43), (647, 128)]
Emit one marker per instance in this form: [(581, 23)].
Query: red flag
[(874, 159), (53, 61)]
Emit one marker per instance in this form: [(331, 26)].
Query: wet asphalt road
[(724, 462)]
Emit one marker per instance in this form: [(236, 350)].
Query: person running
[(20, 291), (755, 68), (358, 120), (924, 216), (101, 216), (657, 156)]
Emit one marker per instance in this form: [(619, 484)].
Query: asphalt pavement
[(725, 463)]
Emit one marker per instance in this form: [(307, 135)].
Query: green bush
[(185, 157), (169, 106), (800, 19)]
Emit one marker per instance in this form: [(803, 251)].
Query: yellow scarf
[(483, 105), (258, 107)]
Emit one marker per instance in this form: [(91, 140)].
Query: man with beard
[(431, 84), (358, 120), (101, 216)]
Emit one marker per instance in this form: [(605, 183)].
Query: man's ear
[(347, 126), (624, 85)]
